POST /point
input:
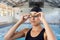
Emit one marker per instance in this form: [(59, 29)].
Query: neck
[(38, 27)]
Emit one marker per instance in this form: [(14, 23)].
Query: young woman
[(36, 32)]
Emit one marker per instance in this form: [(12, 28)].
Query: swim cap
[(36, 9)]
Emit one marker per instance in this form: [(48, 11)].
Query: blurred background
[(11, 10)]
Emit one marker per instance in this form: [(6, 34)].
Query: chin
[(34, 24)]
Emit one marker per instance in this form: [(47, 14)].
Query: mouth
[(33, 21)]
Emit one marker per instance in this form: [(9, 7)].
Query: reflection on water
[(55, 28)]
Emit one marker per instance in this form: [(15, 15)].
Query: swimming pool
[(55, 28)]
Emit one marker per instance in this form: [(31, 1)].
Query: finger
[(26, 16), (37, 14), (41, 13)]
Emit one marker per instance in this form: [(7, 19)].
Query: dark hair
[(36, 9)]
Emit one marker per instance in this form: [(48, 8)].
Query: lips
[(33, 21)]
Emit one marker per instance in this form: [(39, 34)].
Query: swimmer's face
[(34, 18)]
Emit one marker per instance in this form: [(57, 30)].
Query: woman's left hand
[(41, 16)]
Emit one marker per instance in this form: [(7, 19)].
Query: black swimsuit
[(39, 37)]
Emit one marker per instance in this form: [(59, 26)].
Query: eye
[(35, 16)]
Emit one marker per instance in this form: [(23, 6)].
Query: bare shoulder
[(25, 31), (45, 36)]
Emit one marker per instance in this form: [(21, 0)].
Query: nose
[(33, 18)]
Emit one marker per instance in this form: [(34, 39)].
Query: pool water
[(3, 30)]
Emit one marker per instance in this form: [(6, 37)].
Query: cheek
[(37, 19)]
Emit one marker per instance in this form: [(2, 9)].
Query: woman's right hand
[(24, 17)]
